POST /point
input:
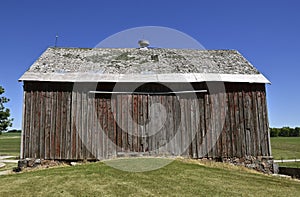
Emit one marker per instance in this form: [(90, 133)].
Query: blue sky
[(267, 33)]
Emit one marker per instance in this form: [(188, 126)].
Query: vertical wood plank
[(33, 132), (188, 125), (177, 124), (53, 124), (74, 126), (162, 131), (84, 131), (233, 126), (149, 125), (124, 123), (237, 136), (247, 119), (96, 128), (208, 126), (129, 117), (265, 124), (78, 123), (241, 124), (146, 125), (170, 129), (38, 125), (90, 127), (135, 115), (140, 123), (182, 127), (58, 125), (202, 131), (63, 125), (215, 124), (42, 126), (152, 128), (156, 123), (114, 125), (194, 111), (104, 126), (119, 122), (111, 132), (228, 127), (261, 127), (48, 101), (256, 144), (26, 128), (223, 126), (32, 112), (99, 127)]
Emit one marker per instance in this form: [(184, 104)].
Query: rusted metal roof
[(135, 65)]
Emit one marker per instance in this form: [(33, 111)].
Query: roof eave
[(177, 77)]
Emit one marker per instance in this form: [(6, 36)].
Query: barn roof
[(132, 65)]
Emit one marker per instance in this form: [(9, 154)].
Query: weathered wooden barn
[(101, 103)]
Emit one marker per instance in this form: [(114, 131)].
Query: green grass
[(290, 164), (8, 166), (285, 147), (180, 178), (10, 144)]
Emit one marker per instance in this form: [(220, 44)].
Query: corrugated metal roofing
[(132, 65)]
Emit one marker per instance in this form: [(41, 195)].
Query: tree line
[(285, 132)]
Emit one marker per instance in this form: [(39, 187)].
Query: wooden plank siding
[(64, 123)]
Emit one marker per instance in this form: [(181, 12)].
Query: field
[(181, 177), (10, 144), (286, 148), (290, 164)]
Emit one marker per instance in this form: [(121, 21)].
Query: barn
[(100, 103)]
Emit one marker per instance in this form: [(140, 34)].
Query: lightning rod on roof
[(56, 38)]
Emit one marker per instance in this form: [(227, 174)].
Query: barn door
[(131, 122), (147, 123), (134, 123)]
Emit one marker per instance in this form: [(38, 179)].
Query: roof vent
[(143, 44)]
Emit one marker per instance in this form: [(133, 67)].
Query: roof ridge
[(87, 48)]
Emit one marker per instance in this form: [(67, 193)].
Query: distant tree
[(284, 132), (295, 132), (274, 132), (5, 121), (14, 131)]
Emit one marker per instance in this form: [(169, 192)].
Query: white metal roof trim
[(187, 77)]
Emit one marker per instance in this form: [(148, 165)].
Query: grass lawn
[(8, 166), (10, 144), (285, 147), (179, 178), (290, 164)]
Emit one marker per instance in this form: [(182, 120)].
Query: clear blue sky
[(267, 33)]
